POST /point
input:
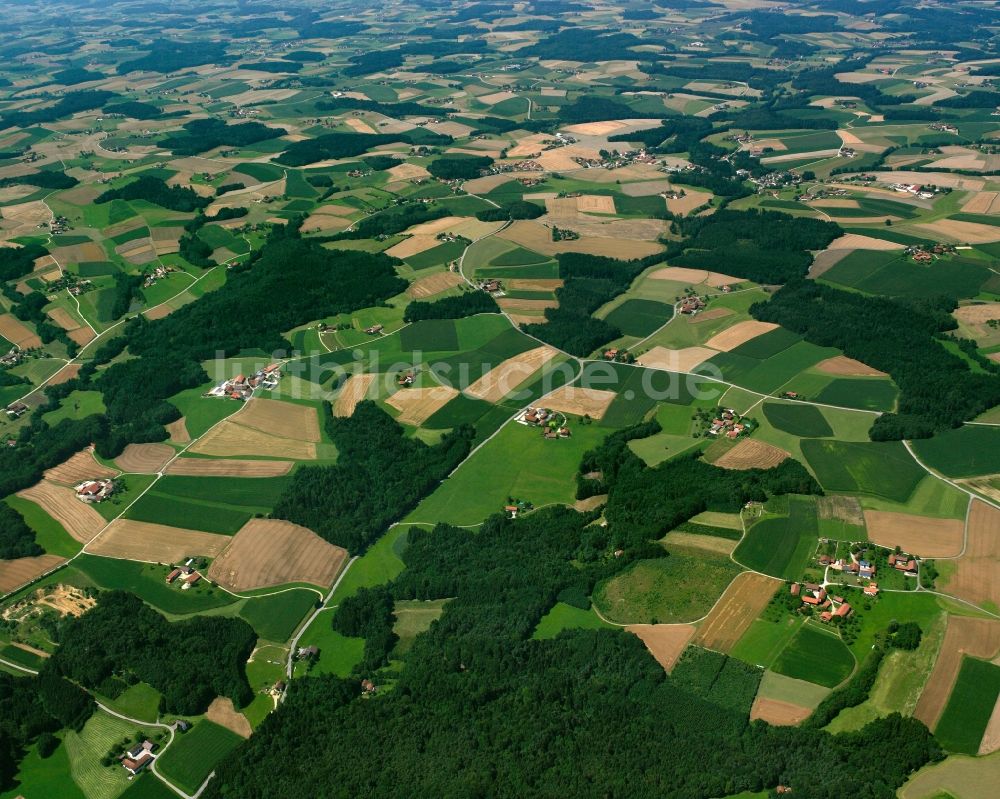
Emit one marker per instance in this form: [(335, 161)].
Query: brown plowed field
[(82, 335), (781, 714), (228, 467), (351, 393), (676, 360), (665, 642), (416, 405), (976, 577), (991, 738), (63, 318), (752, 454), (68, 372), (178, 431), (157, 543), (964, 636), (414, 245), (144, 458), (78, 468), (14, 330), (508, 375), (283, 419), (80, 520), (230, 439), (710, 315), (842, 365), (917, 535), (222, 712), (740, 333), (515, 304), (741, 603), (434, 284), (579, 401), (268, 552), (15, 573), (982, 202), (682, 274)]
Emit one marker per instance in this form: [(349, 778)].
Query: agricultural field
[(193, 756), (815, 655), (782, 545)]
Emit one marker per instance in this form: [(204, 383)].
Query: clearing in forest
[(223, 713), (665, 642), (354, 390)]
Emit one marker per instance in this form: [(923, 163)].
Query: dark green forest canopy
[(154, 190), (938, 390), (200, 135), (482, 709), (190, 662), (348, 145)]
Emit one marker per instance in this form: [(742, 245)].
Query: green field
[(160, 508), (44, 779), (49, 534), (893, 274), (140, 701), (148, 787), (786, 689), (338, 654), (193, 755), (640, 317), (567, 617), (782, 546), (414, 616), (99, 735), (969, 707), (865, 393), (679, 588), (884, 469), (804, 421), (815, 655), (966, 452), (432, 335), (768, 344), (276, 617), (764, 640)]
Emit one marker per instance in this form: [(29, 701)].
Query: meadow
[(192, 756), (782, 545), (965, 452), (640, 317), (804, 421), (276, 617), (884, 469), (815, 655), (969, 707), (764, 640), (567, 617)]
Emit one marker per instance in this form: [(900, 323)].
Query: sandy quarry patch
[(665, 642), (229, 438), (223, 713), (982, 202), (777, 712), (683, 360), (144, 458), (917, 535), (278, 418), (80, 520), (413, 245), (964, 636), (267, 552), (228, 467), (352, 392), (592, 402), (16, 332), (178, 431), (848, 367), (975, 576), (693, 277), (508, 375), (18, 572), (961, 232), (740, 333), (739, 605), (752, 454), (156, 543), (81, 466), (434, 284), (417, 405)]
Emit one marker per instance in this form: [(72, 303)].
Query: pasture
[(815, 655), (276, 617), (884, 469), (338, 654), (85, 748), (804, 421), (964, 452), (764, 640), (193, 755), (782, 545), (636, 317), (970, 706)]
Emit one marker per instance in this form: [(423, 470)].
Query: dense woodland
[(17, 540), (154, 190), (348, 145), (200, 135), (123, 640), (938, 390), (482, 709), (468, 303), (380, 475)]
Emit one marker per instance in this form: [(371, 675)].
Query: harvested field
[(740, 333), (406, 171), (500, 381), (590, 503), (534, 284), (325, 223), (81, 466), (529, 306), (156, 543), (752, 454), (991, 737), (579, 401), (15, 573), (855, 241), (683, 360), (777, 712), (178, 432), (841, 365), (417, 405), (81, 521), (982, 202), (842, 508), (68, 372), (958, 776), (222, 712), (647, 188), (826, 260), (144, 458), (692, 199), (975, 576), (987, 485), (413, 246), (229, 438), (228, 467), (82, 253), (595, 204), (538, 237), (682, 274), (63, 318), (82, 335), (709, 543), (15, 331), (268, 552), (159, 312), (434, 284), (665, 642), (965, 636), (435, 226), (709, 315), (358, 125), (978, 314), (736, 609), (351, 393), (917, 535), (961, 232), (282, 419)]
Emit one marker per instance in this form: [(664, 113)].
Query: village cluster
[(242, 387)]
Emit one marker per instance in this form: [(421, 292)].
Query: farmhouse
[(691, 305), (92, 491), (903, 563), (138, 757), (304, 652), (173, 576), (374, 330), (871, 589), (814, 595), (730, 424), (190, 580), (866, 570)]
